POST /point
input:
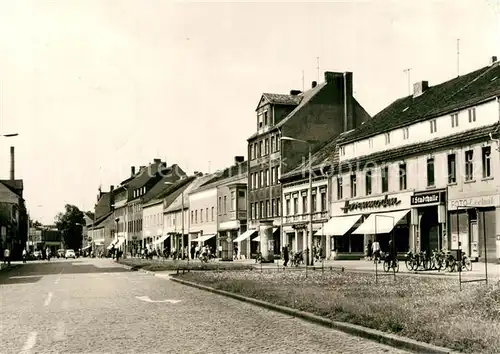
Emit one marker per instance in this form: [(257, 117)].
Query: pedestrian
[(286, 255), (6, 255), (193, 250), (25, 255), (376, 250), (235, 252), (369, 250)]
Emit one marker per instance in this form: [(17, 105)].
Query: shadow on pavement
[(11, 281), (41, 269)]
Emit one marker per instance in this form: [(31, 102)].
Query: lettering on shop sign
[(377, 203), (425, 199), (472, 202)]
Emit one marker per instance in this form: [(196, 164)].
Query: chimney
[(349, 122), (157, 161), (295, 92), (239, 159), (132, 171), (111, 188), (419, 88), (314, 84), (493, 60), (331, 77), (12, 163)]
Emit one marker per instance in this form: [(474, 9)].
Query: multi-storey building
[(424, 171), (314, 117), (173, 217)]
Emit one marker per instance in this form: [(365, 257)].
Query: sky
[(94, 87)]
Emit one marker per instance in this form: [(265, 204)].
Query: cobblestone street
[(96, 306)]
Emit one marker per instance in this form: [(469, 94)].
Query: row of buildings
[(321, 172)]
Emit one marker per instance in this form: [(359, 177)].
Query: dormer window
[(370, 142), (266, 122), (406, 133), (433, 126), (472, 115), (387, 138), (260, 120), (342, 151)]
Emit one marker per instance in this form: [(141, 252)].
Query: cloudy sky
[(95, 86)]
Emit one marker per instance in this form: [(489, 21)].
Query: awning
[(381, 223), (203, 238), (256, 239), (245, 235), (161, 239), (338, 225), (275, 229)]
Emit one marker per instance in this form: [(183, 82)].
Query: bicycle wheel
[(409, 264), (396, 265), (386, 266), (468, 264)]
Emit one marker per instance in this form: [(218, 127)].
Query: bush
[(432, 310)]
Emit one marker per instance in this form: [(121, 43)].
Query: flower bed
[(164, 265), (425, 309)]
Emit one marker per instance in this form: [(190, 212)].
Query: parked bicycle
[(391, 263), (454, 265)]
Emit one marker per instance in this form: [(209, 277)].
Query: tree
[(35, 223), (70, 224)]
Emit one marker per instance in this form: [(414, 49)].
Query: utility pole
[(317, 67), (458, 56), (408, 74)]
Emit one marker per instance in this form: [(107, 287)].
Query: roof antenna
[(408, 73), (317, 67), (209, 166), (303, 87), (458, 56)]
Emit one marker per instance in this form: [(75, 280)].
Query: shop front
[(357, 222), (428, 220), (474, 224)]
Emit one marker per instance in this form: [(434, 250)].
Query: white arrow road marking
[(30, 343), (147, 299), (49, 298)]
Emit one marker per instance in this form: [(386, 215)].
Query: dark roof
[(287, 100), (458, 93), (169, 190), (419, 148), (161, 187), (239, 169), (145, 174), (304, 97), (15, 185), (102, 219), (325, 157)]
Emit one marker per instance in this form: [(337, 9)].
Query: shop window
[(469, 165), (368, 182), (385, 179), (486, 161), (340, 191), (402, 176), (452, 168), (353, 185), (430, 172)]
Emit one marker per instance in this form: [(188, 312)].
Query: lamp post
[(309, 201)]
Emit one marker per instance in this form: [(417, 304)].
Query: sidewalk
[(478, 269)]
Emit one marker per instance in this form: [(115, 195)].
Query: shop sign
[(371, 204), (474, 202), (426, 199)]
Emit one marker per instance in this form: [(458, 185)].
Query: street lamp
[(309, 200)]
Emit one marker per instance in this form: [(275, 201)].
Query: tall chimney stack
[(12, 163)]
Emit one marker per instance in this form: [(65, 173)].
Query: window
[(469, 165), (314, 202), (433, 126), (387, 138), (406, 133), (266, 172), (368, 182), (402, 176), (304, 204), (288, 207), (472, 115), (233, 201), (256, 210), (206, 214), (273, 175), (266, 146), (261, 148), (196, 216), (430, 172), (255, 150), (201, 215), (255, 185), (486, 161), (265, 118), (274, 211), (220, 205), (273, 147), (260, 120), (342, 150), (295, 205), (251, 152), (339, 188), (454, 120), (277, 174), (385, 179), (278, 143), (225, 204), (261, 210), (212, 213), (452, 168), (323, 201), (268, 208), (252, 211), (353, 185), (278, 204), (370, 143)]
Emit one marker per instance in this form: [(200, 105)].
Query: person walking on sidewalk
[(376, 250), (25, 255), (286, 255), (6, 256)]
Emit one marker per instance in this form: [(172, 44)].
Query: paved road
[(92, 306)]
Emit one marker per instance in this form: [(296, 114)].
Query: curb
[(12, 266), (146, 271), (368, 333)]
